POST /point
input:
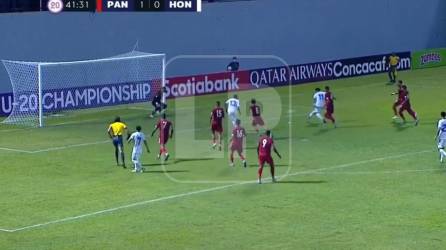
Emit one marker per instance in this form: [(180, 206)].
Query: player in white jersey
[(233, 105), (441, 136), (318, 104), (138, 139)]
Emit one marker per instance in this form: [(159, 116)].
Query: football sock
[(311, 114), (272, 171), (413, 114), (260, 172), (242, 157), (117, 156)]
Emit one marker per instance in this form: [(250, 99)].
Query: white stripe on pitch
[(141, 203)]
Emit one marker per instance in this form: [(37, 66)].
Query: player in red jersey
[(329, 105), (399, 99), (257, 120), (216, 120), (405, 106), (237, 138), (166, 131), (264, 153)]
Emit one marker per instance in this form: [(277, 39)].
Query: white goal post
[(40, 88)]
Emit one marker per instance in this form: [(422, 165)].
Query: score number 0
[(55, 6)]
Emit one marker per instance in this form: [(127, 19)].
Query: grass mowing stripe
[(109, 210), (70, 146), (103, 142)]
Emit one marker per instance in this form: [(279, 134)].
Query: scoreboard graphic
[(57, 6)]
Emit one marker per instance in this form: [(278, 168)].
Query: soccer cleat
[(395, 117), (134, 171), (167, 157), (259, 181), (158, 156), (273, 179), (231, 164), (123, 166), (417, 121), (214, 145)]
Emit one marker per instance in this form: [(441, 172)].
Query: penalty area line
[(171, 197), (69, 146), (16, 150)]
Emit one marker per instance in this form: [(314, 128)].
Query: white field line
[(16, 150), (399, 171), (141, 203)]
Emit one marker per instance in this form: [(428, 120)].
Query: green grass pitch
[(369, 184)]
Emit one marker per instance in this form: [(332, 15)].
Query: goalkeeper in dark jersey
[(157, 103)]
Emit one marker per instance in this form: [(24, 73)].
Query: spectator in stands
[(234, 65)]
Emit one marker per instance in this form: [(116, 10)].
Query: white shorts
[(136, 156), (441, 143), (232, 116), (318, 109)]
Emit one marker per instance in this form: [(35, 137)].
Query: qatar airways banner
[(78, 98), (322, 71)]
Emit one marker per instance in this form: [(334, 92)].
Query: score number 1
[(150, 5)]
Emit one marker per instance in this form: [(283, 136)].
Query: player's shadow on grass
[(155, 164), (313, 124), (400, 126), (280, 138), (192, 159), (323, 131), (301, 182), (266, 165), (164, 172)]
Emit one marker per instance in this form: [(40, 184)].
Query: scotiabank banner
[(322, 71), (208, 83)]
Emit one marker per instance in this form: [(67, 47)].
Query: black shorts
[(117, 141), (392, 68)]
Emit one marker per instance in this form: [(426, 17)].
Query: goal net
[(40, 88)]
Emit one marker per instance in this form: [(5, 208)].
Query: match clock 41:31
[(56, 6)]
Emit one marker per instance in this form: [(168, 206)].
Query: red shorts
[(163, 141), (329, 109), (397, 103), (268, 159), (405, 107), (257, 120), (236, 148), (215, 127)]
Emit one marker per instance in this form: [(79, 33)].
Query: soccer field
[(371, 183)]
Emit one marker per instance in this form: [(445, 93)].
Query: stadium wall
[(297, 31)]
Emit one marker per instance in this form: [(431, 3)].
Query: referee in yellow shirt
[(393, 64), (115, 131)]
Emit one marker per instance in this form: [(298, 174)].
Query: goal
[(40, 88)]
